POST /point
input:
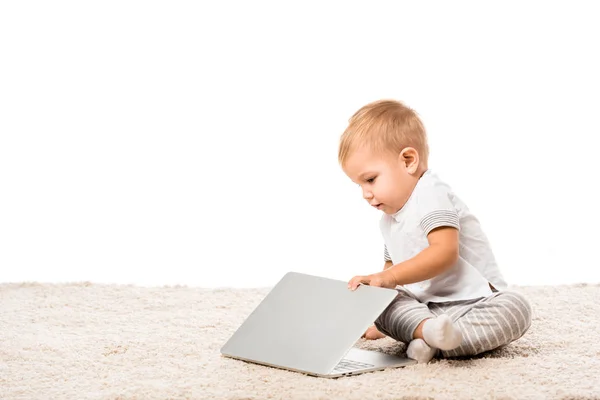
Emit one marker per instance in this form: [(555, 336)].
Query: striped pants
[(486, 323)]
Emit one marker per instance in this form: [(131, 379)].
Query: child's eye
[(371, 180)]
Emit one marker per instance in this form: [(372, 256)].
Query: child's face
[(386, 181)]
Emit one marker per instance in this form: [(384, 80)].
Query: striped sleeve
[(438, 219), (386, 255)]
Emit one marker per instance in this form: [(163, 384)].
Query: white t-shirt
[(432, 204)]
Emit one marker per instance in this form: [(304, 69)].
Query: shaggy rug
[(91, 341)]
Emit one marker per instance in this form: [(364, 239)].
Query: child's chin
[(388, 210)]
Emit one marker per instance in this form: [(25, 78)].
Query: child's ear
[(410, 158)]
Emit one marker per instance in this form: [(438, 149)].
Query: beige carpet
[(93, 341)]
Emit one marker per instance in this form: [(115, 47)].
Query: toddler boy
[(452, 297)]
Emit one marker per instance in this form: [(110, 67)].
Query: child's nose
[(367, 194)]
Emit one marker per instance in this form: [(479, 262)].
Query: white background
[(195, 142)]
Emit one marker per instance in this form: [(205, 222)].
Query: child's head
[(384, 150)]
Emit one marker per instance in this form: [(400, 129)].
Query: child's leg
[(486, 323), (404, 320), (402, 316)]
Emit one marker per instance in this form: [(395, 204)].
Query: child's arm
[(441, 255)]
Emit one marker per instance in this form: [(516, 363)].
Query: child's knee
[(521, 309)]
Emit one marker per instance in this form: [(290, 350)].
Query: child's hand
[(381, 279)]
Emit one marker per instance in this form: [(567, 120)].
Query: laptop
[(309, 324)]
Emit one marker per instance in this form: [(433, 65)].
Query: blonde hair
[(384, 126)]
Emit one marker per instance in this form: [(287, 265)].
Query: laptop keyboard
[(350, 365)]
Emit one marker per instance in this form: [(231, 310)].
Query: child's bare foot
[(373, 334)]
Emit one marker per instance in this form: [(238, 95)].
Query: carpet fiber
[(95, 341)]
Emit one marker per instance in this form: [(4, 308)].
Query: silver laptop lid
[(307, 323)]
